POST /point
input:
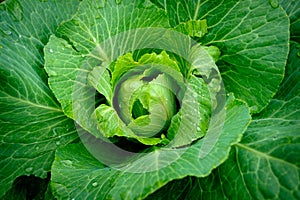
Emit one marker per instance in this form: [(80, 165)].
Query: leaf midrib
[(266, 156), (34, 104)]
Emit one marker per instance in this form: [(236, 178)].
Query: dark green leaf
[(32, 124), (253, 39), (292, 7)]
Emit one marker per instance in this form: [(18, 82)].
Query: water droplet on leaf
[(57, 143), (274, 3), (29, 169), (254, 107), (51, 50), (298, 54), (7, 32), (67, 162), (52, 73), (94, 184)]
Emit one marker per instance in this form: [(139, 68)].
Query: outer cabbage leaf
[(77, 174), (290, 86), (268, 155), (253, 39), (29, 187), (32, 125), (90, 26), (292, 8)]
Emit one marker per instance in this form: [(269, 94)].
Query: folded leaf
[(192, 121)]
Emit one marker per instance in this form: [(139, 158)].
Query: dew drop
[(198, 129), (37, 148), (118, 1), (298, 54), (274, 3), (7, 32), (67, 162), (20, 36), (254, 107), (82, 55), (57, 143), (51, 50), (52, 73), (29, 169), (94, 184)]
